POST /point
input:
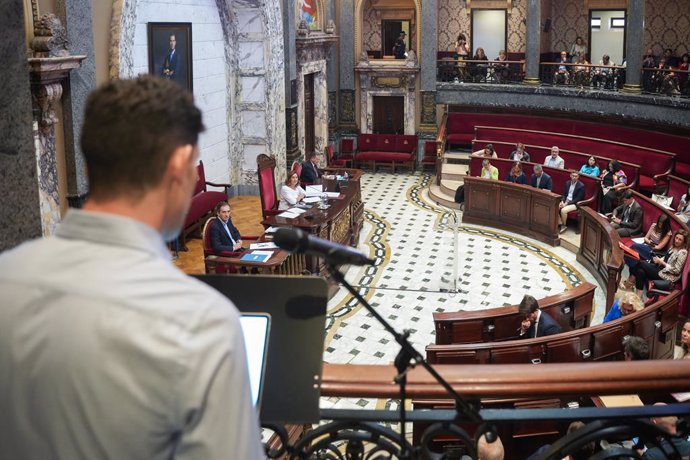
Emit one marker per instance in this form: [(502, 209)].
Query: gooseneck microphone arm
[(296, 240)]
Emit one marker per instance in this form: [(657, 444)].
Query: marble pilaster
[(76, 16), (346, 49), (19, 212), (634, 36), (429, 45), (346, 109), (428, 116), (533, 42)]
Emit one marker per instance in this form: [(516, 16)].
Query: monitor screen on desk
[(255, 329)]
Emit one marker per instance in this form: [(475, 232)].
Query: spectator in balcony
[(477, 69), (516, 175), (540, 179), (670, 57), (488, 171), (684, 207), (580, 71), (501, 68), (578, 49), (399, 46), (683, 351), (486, 152), (603, 76), (519, 154), (625, 303), (612, 180), (590, 168), (554, 160), (573, 191), (635, 348), (649, 62), (536, 323), (562, 75), (462, 53), (682, 76), (665, 79)]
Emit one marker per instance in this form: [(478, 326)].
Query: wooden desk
[(341, 222), (517, 208), (280, 263)]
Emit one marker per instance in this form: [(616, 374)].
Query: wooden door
[(389, 115), (308, 113)]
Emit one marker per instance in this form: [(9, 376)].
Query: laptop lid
[(297, 308), (255, 329)]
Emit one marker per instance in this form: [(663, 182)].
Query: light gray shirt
[(108, 351), (557, 162)]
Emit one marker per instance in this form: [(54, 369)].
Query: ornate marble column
[(428, 66), (49, 67), (533, 42), (346, 51), (634, 36)]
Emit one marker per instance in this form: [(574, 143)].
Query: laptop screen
[(255, 328)]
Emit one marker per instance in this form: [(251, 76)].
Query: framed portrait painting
[(170, 51)]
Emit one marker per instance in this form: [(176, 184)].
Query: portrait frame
[(172, 66)]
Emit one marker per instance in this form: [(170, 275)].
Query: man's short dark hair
[(219, 206), (528, 305), (311, 155), (627, 194), (131, 128), (636, 347)]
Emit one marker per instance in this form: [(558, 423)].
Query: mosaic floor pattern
[(412, 240)]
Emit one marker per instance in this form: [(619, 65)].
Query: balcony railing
[(471, 71)]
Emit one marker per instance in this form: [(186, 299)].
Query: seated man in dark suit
[(224, 235), (536, 322), (627, 218), (573, 192), (540, 179), (310, 169)]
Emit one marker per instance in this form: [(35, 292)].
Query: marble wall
[(453, 18)]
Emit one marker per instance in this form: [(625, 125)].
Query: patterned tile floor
[(413, 239)]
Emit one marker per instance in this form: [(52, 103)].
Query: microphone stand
[(406, 359)]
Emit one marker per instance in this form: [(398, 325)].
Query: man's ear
[(180, 159)]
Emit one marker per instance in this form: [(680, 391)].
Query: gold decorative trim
[(388, 82), (632, 89), (532, 81)]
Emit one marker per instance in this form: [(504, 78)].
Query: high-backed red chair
[(296, 167), (429, 158), (335, 162), (209, 253), (347, 150), (267, 185)]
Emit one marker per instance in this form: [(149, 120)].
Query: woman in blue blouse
[(626, 302), (590, 168)]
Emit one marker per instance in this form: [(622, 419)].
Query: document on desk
[(271, 229), (332, 195), (257, 256), (268, 245), (297, 211), (289, 214), (312, 199), (314, 190)]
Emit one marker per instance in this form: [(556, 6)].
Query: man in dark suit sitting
[(540, 179), (627, 218), (224, 235), (310, 169), (536, 322), (573, 192)]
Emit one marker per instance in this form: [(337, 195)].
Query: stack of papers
[(268, 245), (314, 190), (312, 199)]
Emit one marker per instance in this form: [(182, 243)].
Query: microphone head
[(288, 238)]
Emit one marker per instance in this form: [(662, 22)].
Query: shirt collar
[(112, 230)]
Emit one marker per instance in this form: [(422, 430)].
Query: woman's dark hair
[(489, 147), (615, 166), (685, 55), (289, 176), (663, 225), (517, 168), (592, 158), (462, 37)]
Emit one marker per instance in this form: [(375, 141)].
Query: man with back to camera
[(108, 350), (536, 323)]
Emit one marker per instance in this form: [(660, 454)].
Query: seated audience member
[(684, 207), (664, 271), (625, 303), (489, 450), (612, 180), (224, 235), (478, 70), (649, 62), (603, 76), (682, 351), (590, 168), (583, 453), (627, 218), (310, 169), (573, 191), (635, 348), (540, 179), (578, 48), (657, 238), (554, 160), (665, 80), (108, 349), (488, 171), (562, 76), (670, 58), (684, 66), (580, 71), (666, 449), (486, 152), (291, 193), (519, 154), (516, 175), (501, 68), (536, 323)]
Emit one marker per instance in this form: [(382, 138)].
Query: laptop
[(296, 309)]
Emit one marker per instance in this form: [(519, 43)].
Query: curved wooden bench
[(677, 187), (655, 323), (571, 309)]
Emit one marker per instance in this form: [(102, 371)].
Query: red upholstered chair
[(210, 255), (429, 158), (297, 167), (335, 162), (267, 185), (347, 150)]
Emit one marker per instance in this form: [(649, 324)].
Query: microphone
[(296, 240)]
